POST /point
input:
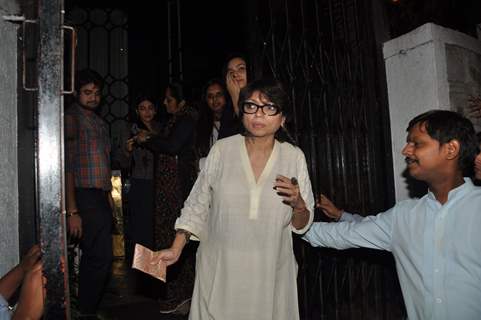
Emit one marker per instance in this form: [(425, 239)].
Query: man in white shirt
[(435, 240)]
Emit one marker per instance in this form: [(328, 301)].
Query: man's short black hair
[(444, 126), (87, 76)]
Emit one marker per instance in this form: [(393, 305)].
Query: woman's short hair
[(274, 91)]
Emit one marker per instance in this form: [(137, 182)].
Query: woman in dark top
[(175, 172), (235, 72), (140, 161)]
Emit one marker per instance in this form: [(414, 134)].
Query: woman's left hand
[(288, 190)]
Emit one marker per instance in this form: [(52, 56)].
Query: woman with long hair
[(140, 162), (235, 72), (213, 104), (173, 146)]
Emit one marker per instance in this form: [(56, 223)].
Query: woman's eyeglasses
[(268, 109)]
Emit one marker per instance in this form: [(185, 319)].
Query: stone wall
[(428, 68), (464, 78)]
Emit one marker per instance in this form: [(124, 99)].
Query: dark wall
[(209, 31), (460, 15)]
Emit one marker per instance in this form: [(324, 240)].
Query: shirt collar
[(85, 111), (457, 192)]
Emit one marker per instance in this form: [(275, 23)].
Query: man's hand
[(75, 226), (328, 207)]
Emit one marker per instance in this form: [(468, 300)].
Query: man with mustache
[(435, 239), (88, 174)]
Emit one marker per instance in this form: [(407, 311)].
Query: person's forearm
[(31, 300), (181, 239), (70, 193), (11, 281), (176, 141), (300, 218), (235, 104)]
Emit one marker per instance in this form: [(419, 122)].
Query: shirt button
[(436, 270), (439, 300)]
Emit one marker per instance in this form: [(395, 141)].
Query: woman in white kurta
[(252, 194)]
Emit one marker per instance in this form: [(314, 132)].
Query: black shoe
[(183, 308), (175, 307), (87, 316)]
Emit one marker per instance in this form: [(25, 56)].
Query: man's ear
[(453, 148)]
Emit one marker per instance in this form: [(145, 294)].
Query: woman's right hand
[(129, 145), (142, 136), (234, 90), (169, 256)]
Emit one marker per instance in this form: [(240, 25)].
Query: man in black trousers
[(88, 185)]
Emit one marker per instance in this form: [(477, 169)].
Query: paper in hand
[(146, 261)]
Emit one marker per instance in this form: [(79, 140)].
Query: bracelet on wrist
[(186, 234), (300, 210), (72, 213)]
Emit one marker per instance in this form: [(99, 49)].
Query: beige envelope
[(147, 261)]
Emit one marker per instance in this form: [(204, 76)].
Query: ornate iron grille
[(324, 51), (102, 46)]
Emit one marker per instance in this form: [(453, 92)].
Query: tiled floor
[(121, 302)]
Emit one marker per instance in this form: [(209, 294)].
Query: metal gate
[(42, 86), (324, 51)]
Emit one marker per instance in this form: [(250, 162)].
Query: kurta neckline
[(248, 167), (255, 188)]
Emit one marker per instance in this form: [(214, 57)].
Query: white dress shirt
[(5, 313), (437, 249)]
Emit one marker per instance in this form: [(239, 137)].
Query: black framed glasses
[(250, 107)]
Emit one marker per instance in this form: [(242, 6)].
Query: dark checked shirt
[(87, 150)]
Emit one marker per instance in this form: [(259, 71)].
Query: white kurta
[(245, 267)]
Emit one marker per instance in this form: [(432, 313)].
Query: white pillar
[(428, 68)]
